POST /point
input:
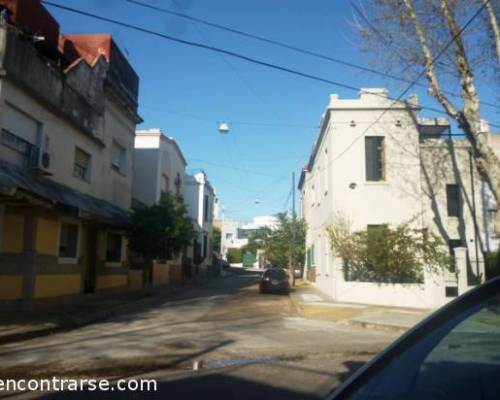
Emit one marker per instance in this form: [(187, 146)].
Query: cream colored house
[(376, 162), (199, 195), (159, 166), (66, 156)]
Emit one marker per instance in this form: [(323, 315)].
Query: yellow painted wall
[(161, 274), (175, 273), (111, 281), (11, 287), (13, 235), (135, 279), (57, 285), (47, 232)]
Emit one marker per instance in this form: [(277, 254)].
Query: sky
[(273, 116)]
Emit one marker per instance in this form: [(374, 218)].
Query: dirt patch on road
[(251, 304), (330, 313)]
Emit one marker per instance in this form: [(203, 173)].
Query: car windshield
[(461, 359)]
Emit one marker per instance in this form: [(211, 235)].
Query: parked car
[(453, 354), (274, 280)]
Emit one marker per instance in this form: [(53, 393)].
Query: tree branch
[(429, 63), (495, 28)]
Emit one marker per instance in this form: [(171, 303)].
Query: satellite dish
[(224, 128)]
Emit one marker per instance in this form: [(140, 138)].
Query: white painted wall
[(61, 138), (335, 183), (156, 156)]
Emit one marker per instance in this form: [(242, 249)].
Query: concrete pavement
[(241, 339), (312, 303)]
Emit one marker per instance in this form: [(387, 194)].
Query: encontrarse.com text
[(74, 385)]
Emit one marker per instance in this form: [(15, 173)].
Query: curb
[(371, 325)]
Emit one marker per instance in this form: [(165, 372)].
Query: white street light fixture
[(224, 128)]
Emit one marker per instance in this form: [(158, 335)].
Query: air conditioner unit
[(39, 158)]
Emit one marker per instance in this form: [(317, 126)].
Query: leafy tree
[(385, 254), (162, 230), (453, 46), (284, 243), (216, 239)]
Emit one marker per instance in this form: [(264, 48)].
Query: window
[(114, 247), (118, 157), (178, 183), (205, 245), (206, 207), (165, 184), (81, 167), (68, 240), (375, 158), (453, 200)]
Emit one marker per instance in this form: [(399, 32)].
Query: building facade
[(377, 163), (68, 111), (199, 196), (159, 166)]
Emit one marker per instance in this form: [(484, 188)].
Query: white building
[(199, 196), (377, 163), (159, 166), (236, 235)]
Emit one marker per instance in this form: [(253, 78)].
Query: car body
[(274, 280), (453, 354)]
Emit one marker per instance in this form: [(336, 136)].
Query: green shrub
[(492, 264), (387, 255), (234, 256)]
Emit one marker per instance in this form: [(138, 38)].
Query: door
[(91, 264)]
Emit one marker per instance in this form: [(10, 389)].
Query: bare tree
[(429, 34)]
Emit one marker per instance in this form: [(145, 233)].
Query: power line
[(232, 53), (292, 47), (231, 122), (440, 53)]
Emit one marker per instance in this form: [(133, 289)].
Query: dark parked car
[(453, 354), (274, 280)]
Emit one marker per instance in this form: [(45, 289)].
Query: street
[(245, 345)]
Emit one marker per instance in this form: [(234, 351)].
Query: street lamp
[(224, 128)]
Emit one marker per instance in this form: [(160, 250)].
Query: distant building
[(68, 111), (377, 162), (235, 235)]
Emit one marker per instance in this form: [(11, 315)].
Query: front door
[(91, 264)]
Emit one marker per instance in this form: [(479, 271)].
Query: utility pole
[(292, 245)]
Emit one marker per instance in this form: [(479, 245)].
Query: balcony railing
[(28, 150)]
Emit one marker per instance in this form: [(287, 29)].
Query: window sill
[(67, 260), (86, 180), (114, 264), (376, 183), (118, 170)]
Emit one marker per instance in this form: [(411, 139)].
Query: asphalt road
[(246, 346)]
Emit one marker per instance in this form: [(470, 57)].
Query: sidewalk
[(310, 302), (16, 326)]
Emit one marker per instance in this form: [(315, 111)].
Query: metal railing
[(28, 150)]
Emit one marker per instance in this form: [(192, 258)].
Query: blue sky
[(273, 115)]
